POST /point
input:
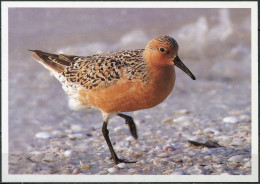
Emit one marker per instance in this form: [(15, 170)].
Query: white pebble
[(76, 171), (76, 128), (217, 133), (167, 120), (163, 155), (181, 119), (194, 171), (231, 119), (209, 130), (236, 158), (121, 165), (67, 153), (224, 174), (181, 111), (130, 138), (75, 136), (43, 135), (112, 170), (132, 171), (168, 172)]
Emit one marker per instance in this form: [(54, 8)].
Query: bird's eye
[(162, 49)]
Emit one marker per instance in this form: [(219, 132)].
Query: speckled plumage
[(101, 70), (116, 82)]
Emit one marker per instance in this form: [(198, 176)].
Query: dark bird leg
[(130, 122), (113, 153)]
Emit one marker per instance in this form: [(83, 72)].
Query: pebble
[(236, 158), (43, 135), (167, 120), (163, 155), (76, 128), (168, 148), (209, 130), (112, 170), (194, 171), (179, 172), (182, 111), (121, 165), (181, 119), (130, 139), (168, 172), (231, 119), (133, 171), (75, 136), (103, 172), (76, 171), (67, 153)]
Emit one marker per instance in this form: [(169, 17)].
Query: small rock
[(163, 155), (167, 120), (168, 148), (194, 171), (236, 158), (231, 119), (168, 172), (211, 144), (130, 139), (67, 153), (179, 172), (112, 170), (182, 111), (181, 119), (76, 171), (75, 136), (121, 165), (76, 128), (132, 171), (209, 130), (43, 135)]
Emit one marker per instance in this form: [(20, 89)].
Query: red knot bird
[(117, 82)]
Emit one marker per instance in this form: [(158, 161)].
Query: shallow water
[(214, 44)]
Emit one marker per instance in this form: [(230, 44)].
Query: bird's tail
[(53, 62)]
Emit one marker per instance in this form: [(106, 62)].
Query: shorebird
[(117, 82)]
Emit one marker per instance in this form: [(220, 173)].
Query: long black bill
[(179, 63)]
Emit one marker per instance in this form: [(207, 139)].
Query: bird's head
[(163, 51)]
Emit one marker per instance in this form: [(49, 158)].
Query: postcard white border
[(130, 178)]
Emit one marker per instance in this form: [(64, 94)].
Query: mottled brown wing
[(105, 69)]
